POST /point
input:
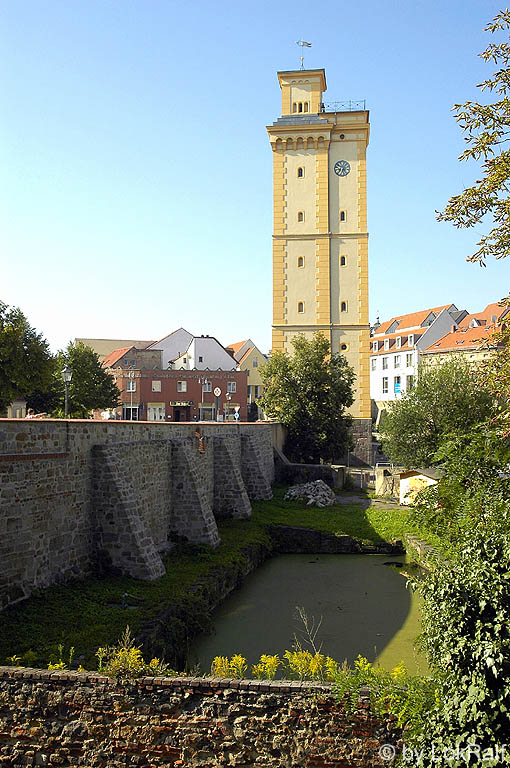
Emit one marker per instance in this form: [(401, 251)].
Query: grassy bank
[(94, 612)]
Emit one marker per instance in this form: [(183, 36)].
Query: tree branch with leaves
[(487, 129)]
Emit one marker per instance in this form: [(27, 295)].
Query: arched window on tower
[(343, 306), (301, 261), (294, 107), (343, 216), (300, 173), (342, 261), (306, 106), (301, 307), (301, 216)]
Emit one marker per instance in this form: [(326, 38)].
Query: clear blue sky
[(136, 173)]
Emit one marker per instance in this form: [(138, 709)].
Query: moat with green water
[(364, 606)]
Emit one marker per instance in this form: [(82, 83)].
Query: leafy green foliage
[(466, 613), (474, 467), (25, 359), (447, 400), (91, 386), (467, 637), (253, 412), (494, 374), (308, 393), (486, 129), (409, 699)]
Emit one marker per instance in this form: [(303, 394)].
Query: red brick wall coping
[(197, 684)]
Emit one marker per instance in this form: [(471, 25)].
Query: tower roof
[(284, 74)]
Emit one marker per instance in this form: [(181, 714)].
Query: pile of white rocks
[(317, 493)]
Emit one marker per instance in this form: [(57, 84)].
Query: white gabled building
[(396, 347), (182, 350)]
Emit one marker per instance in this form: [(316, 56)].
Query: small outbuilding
[(415, 480)]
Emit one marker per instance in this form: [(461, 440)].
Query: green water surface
[(364, 607)]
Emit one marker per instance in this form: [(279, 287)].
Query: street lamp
[(67, 375)]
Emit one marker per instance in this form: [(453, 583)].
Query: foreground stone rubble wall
[(79, 496), (82, 719)]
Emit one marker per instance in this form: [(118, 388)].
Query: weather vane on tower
[(303, 44)]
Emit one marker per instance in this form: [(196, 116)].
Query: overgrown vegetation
[(168, 612)]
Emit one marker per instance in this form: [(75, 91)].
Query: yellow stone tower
[(320, 238)]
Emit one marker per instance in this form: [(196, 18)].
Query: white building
[(182, 350), (396, 347)]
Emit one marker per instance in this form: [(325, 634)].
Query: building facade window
[(344, 347), (373, 364), (398, 342), (343, 306), (301, 261), (396, 385), (301, 307), (182, 386), (300, 173), (255, 363), (409, 359), (301, 216), (343, 216), (257, 390), (131, 385), (386, 344), (385, 363), (200, 359), (396, 361), (385, 385), (156, 386), (231, 386), (409, 382), (207, 386), (343, 261)]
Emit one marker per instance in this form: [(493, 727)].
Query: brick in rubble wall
[(84, 719)]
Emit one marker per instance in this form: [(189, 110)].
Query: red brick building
[(157, 395)]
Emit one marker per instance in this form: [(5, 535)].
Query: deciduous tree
[(309, 393), (447, 400), (91, 386)]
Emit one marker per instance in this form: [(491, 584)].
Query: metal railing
[(344, 106)]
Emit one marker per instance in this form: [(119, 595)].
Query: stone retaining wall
[(78, 495), (66, 719), (291, 540)]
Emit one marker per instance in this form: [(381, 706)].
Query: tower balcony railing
[(344, 106)]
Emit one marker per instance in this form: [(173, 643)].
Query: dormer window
[(386, 343), (398, 342), (410, 339), (375, 346)]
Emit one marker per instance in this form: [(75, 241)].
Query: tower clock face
[(342, 168)]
